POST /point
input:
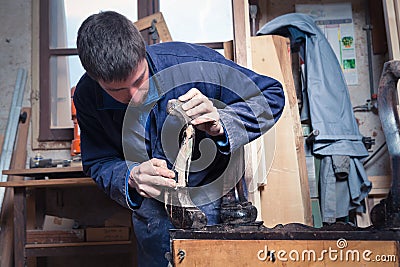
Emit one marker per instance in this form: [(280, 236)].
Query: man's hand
[(202, 112), (150, 177)]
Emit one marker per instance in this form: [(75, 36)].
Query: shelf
[(64, 182), (77, 244), (75, 171), (63, 249)]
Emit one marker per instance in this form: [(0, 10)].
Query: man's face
[(133, 90)]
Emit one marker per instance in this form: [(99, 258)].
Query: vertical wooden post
[(254, 167), (19, 226), (241, 32), (18, 161), (391, 10)]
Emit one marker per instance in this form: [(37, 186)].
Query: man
[(129, 142)]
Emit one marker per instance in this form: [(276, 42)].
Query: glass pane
[(60, 93), (65, 72), (197, 21), (67, 15)]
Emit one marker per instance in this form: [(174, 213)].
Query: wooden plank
[(19, 226), (300, 253), (397, 15), (241, 32), (161, 25), (242, 56), (364, 219), (379, 42), (380, 184), (43, 171), (380, 188), (282, 45), (78, 244), (46, 237), (285, 198), (50, 182), (391, 29), (228, 50), (18, 161), (82, 248), (1, 141)]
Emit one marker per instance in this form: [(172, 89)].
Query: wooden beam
[(43, 171), (50, 182), (255, 168), (228, 50), (380, 185), (241, 32), (18, 161), (161, 25), (282, 46), (391, 28)]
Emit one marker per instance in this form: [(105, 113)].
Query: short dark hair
[(109, 46)]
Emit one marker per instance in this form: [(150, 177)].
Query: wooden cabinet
[(47, 187)]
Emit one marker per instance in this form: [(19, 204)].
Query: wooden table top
[(60, 172), (63, 182)]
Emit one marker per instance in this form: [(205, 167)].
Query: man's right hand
[(150, 177)]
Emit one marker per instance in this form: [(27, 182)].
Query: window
[(59, 65), (196, 21), (207, 22)]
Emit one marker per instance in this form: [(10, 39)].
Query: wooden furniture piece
[(18, 160), (391, 10), (156, 20), (289, 245), (45, 178)]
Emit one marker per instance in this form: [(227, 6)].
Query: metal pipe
[(368, 29), (390, 120), (12, 127)]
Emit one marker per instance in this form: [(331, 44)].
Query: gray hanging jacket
[(330, 111)]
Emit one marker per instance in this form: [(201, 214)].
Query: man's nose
[(132, 91)]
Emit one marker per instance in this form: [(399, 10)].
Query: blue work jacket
[(113, 139)]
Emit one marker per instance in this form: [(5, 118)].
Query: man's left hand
[(202, 111)]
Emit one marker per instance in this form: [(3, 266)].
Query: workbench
[(285, 245), (41, 179)]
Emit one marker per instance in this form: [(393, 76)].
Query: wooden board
[(391, 10), (50, 237), (380, 185), (241, 32), (34, 172), (285, 198), (242, 56), (50, 182), (1, 141), (161, 25), (299, 253), (391, 28), (18, 161)]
